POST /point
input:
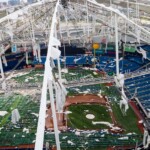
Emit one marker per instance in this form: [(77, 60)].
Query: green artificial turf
[(128, 122), (7, 116), (79, 73), (77, 119), (12, 134), (92, 89), (96, 148), (92, 140), (34, 74)]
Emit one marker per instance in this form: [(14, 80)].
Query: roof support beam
[(48, 78)]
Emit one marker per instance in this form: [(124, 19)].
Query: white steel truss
[(49, 22)]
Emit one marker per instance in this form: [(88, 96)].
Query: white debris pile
[(113, 128), (26, 92), (77, 89), (1, 128), (102, 122), (89, 135), (77, 133), (41, 75), (64, 81), (143, 52), (115, 99), (131, 133), (94, 59), (30, 78), (70, 142), (86, 110), (26, 80), (95, 73), (99, 94), (63, 60), (67, 112), (88, 68), (140, 121), (35, 114), (116, 129), (97, 140), (124, 138), (124, 102), (119, 80), (87, 76), (76, 59), (64, 137), (14, 74), (25, 130), (3, 113), (33, 141), (64, 70), (15, 116), (85, 92), (73, 74)]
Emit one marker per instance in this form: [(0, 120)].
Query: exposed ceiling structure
[(79, 22), (30, 23), (143, 4), (132, 8)]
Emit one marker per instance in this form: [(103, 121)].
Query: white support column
[(50, 86), (59, 25), (94, 25), (68, 33), (58, 59), (116, 43), (27, 62), (64, 55), (59, 68), (1, 68), (128, 9), (111, 14), (125, 32), (2, 74), (87, 17), (32, 34), (110, 2), (42, 115), (138, 11), (47, 76), (32, 27)]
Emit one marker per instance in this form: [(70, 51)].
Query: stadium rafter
[(82, 23)]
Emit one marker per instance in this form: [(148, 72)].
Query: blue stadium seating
[(104, 63), (142, 83)]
